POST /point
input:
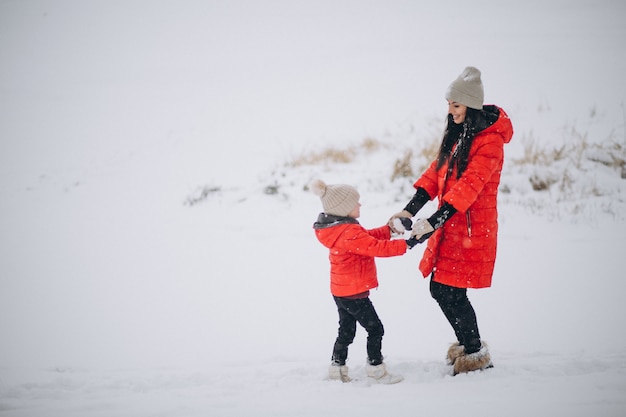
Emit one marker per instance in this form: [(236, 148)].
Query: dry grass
[(413, 160), (553, 165), (534, 154), (335, 155), (429, 152), (578, 150), (402, 167)]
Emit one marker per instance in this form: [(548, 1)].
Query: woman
[(462, 233)]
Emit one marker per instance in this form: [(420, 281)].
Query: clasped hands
[(420, 230)]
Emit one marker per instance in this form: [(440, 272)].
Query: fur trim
[(455, 351), (318, 187), (474, 361)]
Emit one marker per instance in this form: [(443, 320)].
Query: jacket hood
[(497, 122)]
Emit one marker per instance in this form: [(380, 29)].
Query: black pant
[(362, 311), (459, 312)]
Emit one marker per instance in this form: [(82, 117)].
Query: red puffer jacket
[(352, 249), (463, 252)]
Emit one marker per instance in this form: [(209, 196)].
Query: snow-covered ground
[(156, 251)]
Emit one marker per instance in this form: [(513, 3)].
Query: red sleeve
[(382, 232), (429, 180), (355, 239)]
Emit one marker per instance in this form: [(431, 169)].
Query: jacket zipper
[(469, 223)]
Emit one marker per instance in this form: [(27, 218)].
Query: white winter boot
[(338, 373), (379, 374)]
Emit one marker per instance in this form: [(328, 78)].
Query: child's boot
[(379, 374), (338, 372)]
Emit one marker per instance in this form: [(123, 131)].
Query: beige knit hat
[(337, 199), (467, 89)]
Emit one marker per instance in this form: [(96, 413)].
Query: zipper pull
[(469, 223)]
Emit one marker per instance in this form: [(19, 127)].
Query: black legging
[(459, 312), (359, 310)]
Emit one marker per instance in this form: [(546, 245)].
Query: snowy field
[(156, 250)]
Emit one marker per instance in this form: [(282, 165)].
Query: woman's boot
[(474, 361)]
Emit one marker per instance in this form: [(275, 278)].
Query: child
[(352, 275)]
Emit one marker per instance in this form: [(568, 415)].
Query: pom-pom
[(470, 74), (318, 187)]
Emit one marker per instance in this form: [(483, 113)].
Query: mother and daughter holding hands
[(461, 235)]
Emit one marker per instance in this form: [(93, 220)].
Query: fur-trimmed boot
[(338, 373), (454, 352), (474, 361), (379, 374)]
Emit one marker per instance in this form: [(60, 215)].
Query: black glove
[(412, 242), (406, 222)]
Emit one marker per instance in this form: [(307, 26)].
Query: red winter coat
[(463, 252), (352, 249)]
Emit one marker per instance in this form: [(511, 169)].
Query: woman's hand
[(422, 230)]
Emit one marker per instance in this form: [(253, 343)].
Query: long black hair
[(462, 135)]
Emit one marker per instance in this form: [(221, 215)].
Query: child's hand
[(395, 222), (401, 224)]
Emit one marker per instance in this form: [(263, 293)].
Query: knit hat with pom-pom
[(337, 199), (467, 89)]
